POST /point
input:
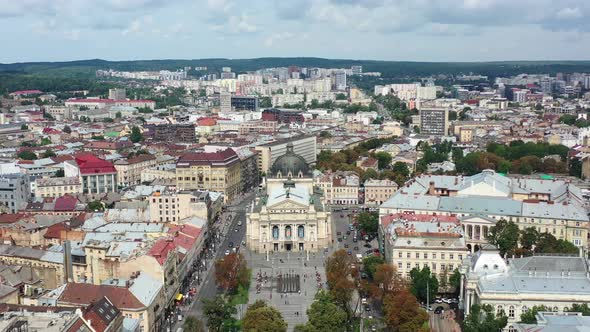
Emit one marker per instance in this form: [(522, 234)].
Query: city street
[(207, 289)]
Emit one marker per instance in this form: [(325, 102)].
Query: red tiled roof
[(65, 203), (54, 231), (84, 294), (206, 122), (61, 158), (140, 158), (90, 164), (387, 219), (161, 249), (9, 218)]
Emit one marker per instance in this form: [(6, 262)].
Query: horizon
[(417, 31)]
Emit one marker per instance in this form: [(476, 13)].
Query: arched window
[(555, 309), (301, 231), (288, 232), (524, 309), (499, 310), (511, 329), (275, 232), (511, 311), (485, 267)]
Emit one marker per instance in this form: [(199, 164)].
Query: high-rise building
[(434, 121), (587, 82), (226, 69), (340, 80), (357, 70), (225, 101), (249, 103), (117, 94), (546, 86), (15, 191)]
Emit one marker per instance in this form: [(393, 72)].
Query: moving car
[(227, 252)]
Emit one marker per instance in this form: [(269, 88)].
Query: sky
[(399, 30)]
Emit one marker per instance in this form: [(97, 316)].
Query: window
[(460, 257), (555, 309), (425, 255), (408, 255), (417, 255), (451, 256), (511, 312), (400, 254), (499, 310), (433, 266), (511, 329), (408, 266), (524, 309), (442, 256), (399, 265)]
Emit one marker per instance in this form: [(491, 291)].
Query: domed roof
[(290, 165)]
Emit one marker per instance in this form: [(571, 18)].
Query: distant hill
[(387, 68), (73, 75)]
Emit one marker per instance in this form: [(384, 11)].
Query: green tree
[(370, 174), (504, 235), (402, 169), (118, 115), (423, 284), (136, 135), (547, 243), (95, 206), (324, 315), (218, 313), (530, 316), (341, 96), (383, 159), (45, 141), (370, 264), (26, 155), (368, 223), (583, 308), (193, 324), (265, 102), (60, 173), (325, 134), (24, 127), (262, 318), (455, 281), (67, 129), (49, 153), (483, 319), (528, 238)]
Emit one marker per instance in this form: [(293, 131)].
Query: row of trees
[(506, 236)]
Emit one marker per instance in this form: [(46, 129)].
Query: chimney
[(431, 190), (456, 180)]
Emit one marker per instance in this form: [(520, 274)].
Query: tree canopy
[(27, 155), (193, 324), (324, 315), (483, 319), (424, 284), (231, 272), (504, 235), (136, 135), (219, 313), (263, 318), (340, 277)]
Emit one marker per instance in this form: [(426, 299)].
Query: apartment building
[(14, 192), (422, 240), (57, 187), (340, 188), (216, 171), (378, 191), (434, 121), (129, 170), (175, 206)]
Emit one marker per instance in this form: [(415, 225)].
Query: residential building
[(217, 171), (48, 265), (339, 188), (225, 100), (117, 94), (479, 201), (378, 191), (98, 176), (161, 172), (176, 206), (305, 146), (554, 321), (422, 240), (57, 187), (174, 133), (240, 103), (129, 170), (516, 285), (14, 192), (434, 121), (97, 103), (340, 80), (288, 216), (249, 174), (140, 297)]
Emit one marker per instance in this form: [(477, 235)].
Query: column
[(472, 236), (461, 301)]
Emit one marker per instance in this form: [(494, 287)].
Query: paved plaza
[(292, 273)]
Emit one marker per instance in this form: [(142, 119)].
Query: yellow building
[(57, 187), (340, 188), (378, 191), (217, 171)]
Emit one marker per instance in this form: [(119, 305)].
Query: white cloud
[(235, 25), (271, 40), (139, 25), (569, 13)]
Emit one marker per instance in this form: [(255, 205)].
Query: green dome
[(290, 165)]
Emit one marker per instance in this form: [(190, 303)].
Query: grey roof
[(146, 288), (30, 253)]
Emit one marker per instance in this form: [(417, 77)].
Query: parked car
[(346, 245), (227, 252), (356, 248), (350, 252), (439, 310)]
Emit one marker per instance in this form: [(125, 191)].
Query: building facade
[(14, 192), (434, 121), (98, 176), (129, 170), (57, 187), (378, 191), (288, 215), (217, 171), (339, 188), (176, 206)]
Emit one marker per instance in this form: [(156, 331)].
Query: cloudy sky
[(420, 30)]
